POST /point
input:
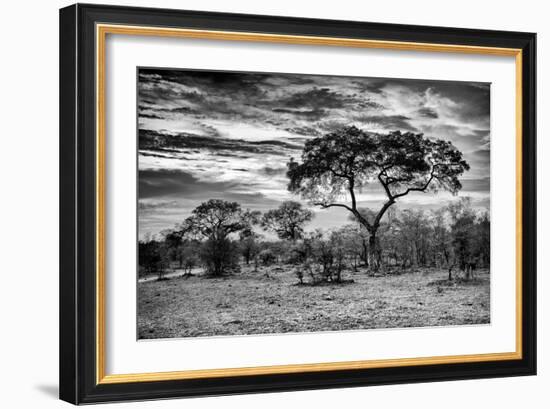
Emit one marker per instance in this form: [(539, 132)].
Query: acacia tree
[(215, 220), (287, 221), (341, 163)]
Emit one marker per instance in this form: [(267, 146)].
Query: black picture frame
[(78, 236)]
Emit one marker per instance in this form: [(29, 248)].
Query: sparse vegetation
[(340, 163), (249, 303), (433, 271), (269, 273)]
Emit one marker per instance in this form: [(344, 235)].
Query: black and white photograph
[(273, 203)]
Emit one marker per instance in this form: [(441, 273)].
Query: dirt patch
[(250, 303)]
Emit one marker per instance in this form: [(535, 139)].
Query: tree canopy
[(343, 162), (217, 219), (288, 220)]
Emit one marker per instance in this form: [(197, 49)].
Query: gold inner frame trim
[(101, 33)]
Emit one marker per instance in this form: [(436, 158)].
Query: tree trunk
[(374, 261), (364, 252)]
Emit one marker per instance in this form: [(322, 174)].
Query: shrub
[(219, 256), (267, 257), (190, 258)]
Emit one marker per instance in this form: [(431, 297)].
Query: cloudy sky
[(208, 134)]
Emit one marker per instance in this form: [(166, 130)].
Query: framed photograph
[(257, 203)]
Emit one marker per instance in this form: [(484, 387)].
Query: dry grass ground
[(252, 303)]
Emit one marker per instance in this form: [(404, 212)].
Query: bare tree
[(341, 163)]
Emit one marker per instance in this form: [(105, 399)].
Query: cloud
[(389, 122), (427, 113), (166, 183), (309, 114), (229, 135), (371, 85), (182, 185), (151, 140), (269, 171), (304, 130), (324, 98)]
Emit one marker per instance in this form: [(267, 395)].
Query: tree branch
[(326, 206), (355, 212), (386, 188), (352, 194), (418, 189), (381, 213)]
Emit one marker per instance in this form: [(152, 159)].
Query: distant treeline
[(220, 234), (220, 237)]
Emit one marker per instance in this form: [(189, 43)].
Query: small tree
[(174, 240), (443, 241), (219, 256), (287, 221), (216, 220), (154, 257), (164, 264), (341, 163), (190, 256), (483, 238), (148, 257), (248, 243), (463, 231), (355, 243), (321, 257), (340, 246), (415, 231)]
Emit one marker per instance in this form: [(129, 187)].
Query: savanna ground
[(253, 302)]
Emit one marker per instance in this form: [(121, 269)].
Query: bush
[(153, 258), (323, 260), (190, 258), (219, 256), (267, 257)]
